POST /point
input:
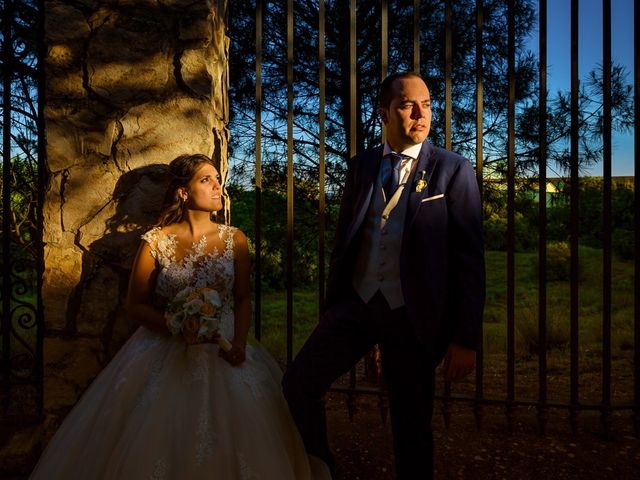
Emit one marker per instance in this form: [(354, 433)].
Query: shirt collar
[(412, 152)]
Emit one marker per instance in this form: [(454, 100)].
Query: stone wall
[(130, 85)]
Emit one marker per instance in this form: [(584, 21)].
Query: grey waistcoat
[(378, 261)]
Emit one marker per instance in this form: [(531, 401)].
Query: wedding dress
[(164, 410)]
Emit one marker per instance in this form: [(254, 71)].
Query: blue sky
[(590, 55)]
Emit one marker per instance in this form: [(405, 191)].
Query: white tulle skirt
[(164, 410)]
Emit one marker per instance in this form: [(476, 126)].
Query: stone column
[(131, 84)]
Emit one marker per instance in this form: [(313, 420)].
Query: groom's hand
[(458, 362)]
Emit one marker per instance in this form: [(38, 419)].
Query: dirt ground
[(363, 447)]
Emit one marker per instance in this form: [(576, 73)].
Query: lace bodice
[(198, 268)]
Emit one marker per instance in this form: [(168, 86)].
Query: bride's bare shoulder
[(238, 235), (171, 229)]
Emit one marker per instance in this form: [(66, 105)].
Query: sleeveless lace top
[(198, 268)]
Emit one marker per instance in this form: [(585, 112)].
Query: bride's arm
[(241, 289), (139, 306), (241, 297)]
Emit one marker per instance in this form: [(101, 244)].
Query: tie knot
[(395, 159), (391, 174)]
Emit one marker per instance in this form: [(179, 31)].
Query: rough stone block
[(74, 362), (197, 72), (61, 275), (158, 132), (65, 24), (129, 58), (196, 27), (87, 191), (100, 299)]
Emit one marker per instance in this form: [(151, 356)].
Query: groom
[(407, 273)]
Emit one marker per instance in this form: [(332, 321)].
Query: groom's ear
[(384, 114)]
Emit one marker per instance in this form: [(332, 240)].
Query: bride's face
[(204, 189)]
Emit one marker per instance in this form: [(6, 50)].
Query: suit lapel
[(427, 161), (369, 168)]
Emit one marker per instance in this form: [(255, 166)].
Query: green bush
[(623, 243), (558, 263), (495, 233), (274, 251), (526, 234), (527, 325)]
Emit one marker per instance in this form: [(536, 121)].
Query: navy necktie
[(392, 179)]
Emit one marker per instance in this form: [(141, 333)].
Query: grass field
[(305, 315)]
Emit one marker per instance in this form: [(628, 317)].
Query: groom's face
[(408, 116)]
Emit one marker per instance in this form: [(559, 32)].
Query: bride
[(180, 406)]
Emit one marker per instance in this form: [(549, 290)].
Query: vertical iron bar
[(511, 54), (636, 181), (352, 152), (7, 58), (448, 61), (384, 54), (258, 175), (416, 36), (42, 179), (321, 135), (575, 112), (384, 64), (448, 67), (384, 20), (606, 219), (542, 233), (479, 93), (479, 164), (289, 181), (352, 78)]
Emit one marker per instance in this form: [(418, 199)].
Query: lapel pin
[(421, 183)]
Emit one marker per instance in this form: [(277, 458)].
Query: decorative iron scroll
[(21, 225)]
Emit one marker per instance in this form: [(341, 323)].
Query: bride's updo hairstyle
[(179, 173)]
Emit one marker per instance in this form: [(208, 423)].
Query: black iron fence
[(469, 51), (21, 377), (319, 51)]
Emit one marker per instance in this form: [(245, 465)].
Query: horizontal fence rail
[(343, 66)]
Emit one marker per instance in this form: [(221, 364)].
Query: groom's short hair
[(386, 87)]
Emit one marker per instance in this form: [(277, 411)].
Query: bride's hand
[(236, 355)]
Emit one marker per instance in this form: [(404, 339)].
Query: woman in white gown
[(169, 407)]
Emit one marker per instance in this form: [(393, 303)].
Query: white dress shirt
[(410, 155)]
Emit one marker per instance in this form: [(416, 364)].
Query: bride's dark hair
[(180, 173)]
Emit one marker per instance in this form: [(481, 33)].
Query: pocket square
[(435, 197)]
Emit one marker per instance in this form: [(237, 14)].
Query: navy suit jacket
[(442, 255)]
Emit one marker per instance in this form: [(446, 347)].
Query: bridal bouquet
[(195, 313)]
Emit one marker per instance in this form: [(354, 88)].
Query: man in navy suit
[(407, 273)]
